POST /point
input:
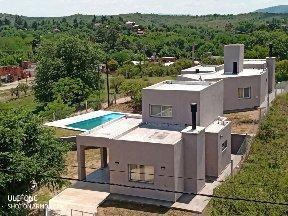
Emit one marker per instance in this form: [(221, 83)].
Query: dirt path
[(118, 101), (8, 86)]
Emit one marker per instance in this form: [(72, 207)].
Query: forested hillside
[(276, 9), (164, 35)]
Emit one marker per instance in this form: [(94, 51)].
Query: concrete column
[(194, 159), (271, 66), (104, 162), (81, 162)]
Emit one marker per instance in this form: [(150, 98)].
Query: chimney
[(193, 111), (233, 58), (197, 70), (270, 50)]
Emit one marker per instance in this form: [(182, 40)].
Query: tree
[(116, 82), (68, 57), (112, 65), (71, 91), (75, 23), (282, 71), (29, 155), (133, 89), (19, 22), (57, 109)]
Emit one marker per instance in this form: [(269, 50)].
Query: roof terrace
[(181, 86)]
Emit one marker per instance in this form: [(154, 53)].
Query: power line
[(162, 190), (171, 176)]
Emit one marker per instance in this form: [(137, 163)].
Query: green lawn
[(264, 175)]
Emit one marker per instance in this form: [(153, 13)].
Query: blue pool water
[(95, 122)]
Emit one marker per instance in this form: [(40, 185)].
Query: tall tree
[(29, 155), (68, 57)]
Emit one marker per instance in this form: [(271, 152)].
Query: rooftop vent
[(193, 111)]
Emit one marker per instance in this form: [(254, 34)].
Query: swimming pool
[(95, 122)]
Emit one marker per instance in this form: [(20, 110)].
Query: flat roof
[(217, 125), (155, 133), (221, 75), (181, 85)]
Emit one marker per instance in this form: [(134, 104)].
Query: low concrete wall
[(236, 142)]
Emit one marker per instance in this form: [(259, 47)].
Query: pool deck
[(74, 119)]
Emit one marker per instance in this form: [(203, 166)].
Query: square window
[(166, 111), (247, 92), (244, 93), (155, 110), (141, 173), (160, 111)]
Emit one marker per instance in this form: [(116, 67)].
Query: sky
[(52, 8)]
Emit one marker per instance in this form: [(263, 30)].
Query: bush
[(57, 110), (71, 91), (282, 71), (133, 89), (116, 82)]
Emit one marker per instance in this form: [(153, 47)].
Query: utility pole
[(107, 83)]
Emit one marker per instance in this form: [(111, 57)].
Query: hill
[(280, 9)]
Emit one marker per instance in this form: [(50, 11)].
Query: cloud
[(107, 7)]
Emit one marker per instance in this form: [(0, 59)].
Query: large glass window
[(141, 173), (244, 93), (160, 111)]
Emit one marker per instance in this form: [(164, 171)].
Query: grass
[(264, 175), (61, 132), (117, 208), (244, 122)]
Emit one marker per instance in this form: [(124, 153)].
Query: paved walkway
[(82, 198)]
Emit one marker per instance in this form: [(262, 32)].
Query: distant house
[(140, 32), (56, 30), (168, 59), (130, 24), (247, 82)]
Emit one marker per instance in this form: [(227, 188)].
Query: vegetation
[(67, 68), (133, 89), (282, 71), (264, 175), (29, 156), (165, 35)]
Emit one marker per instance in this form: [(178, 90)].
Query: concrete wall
[(211, 103), (210, 106), (194, 160), (233, 53), (271, 66), (179, 100), (216, 160), (152, 154), (231, 85), (264, 87)]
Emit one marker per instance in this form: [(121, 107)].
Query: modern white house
[(179, 140), (247, 82)]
